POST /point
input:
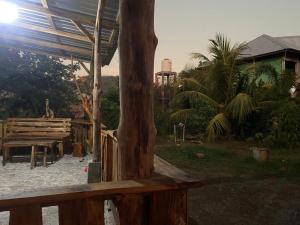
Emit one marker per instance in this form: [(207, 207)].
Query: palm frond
[(199, 56), (194, 96), (219, 125), (182, 114), (240, 107), (190, 84)]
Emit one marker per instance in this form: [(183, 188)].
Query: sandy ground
[(18, 177)]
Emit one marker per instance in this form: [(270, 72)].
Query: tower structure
[(163, 81)]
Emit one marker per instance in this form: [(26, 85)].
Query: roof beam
[(51, 31), (84, 67), (84, 31), (65, 14), (46, 44), (40, 52), (56, 12)]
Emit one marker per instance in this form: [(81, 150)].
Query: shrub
[(286, 125)]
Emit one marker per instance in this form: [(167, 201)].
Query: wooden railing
[(110, 156), (2, 124), (84, 204), (81, 133)]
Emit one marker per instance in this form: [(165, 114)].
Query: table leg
[(45, 157), (4, 159), (61, 149), (33, 153)]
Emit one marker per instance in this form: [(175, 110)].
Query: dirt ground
[(265, 202)]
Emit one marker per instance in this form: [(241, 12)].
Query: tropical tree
[(222, 88), (27, 80)]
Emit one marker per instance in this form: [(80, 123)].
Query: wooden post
[(137, 44), (97, 91)]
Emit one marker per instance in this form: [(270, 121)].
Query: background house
[(283, 53)]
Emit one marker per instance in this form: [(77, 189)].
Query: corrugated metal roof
[(33, 23), (265, 44)]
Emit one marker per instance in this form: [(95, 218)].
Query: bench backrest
[(38, 127)]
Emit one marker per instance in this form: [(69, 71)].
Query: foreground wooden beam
[(137, 44)]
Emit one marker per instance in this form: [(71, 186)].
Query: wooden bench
[(34, 144), (32, 129)]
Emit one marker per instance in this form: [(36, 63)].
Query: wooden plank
[(40, 119), (42, 134), (93, 212), (29, 215), (131, 210), (53, 196), (168, 207), (38, 129), (82, 212)]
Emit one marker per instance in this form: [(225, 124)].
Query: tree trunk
[(137, 44)]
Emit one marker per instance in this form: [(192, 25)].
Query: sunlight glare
[(8, 12)]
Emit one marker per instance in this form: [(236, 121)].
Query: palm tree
[(222, 88)]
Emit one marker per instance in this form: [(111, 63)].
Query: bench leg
[(52, 154), (61, 149), (5, 155), (33, 158), (45, 157)]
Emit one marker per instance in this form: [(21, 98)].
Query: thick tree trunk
[(137, 44)]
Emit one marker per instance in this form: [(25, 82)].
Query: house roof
[(265, 45), (62, 28)]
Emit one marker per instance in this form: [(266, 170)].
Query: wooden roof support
[(68, 48), (51, 22), (40, 52), (84, 67), (136, 132), (51, 31), (84, 31), (56, 12), (137, 44), (97, 89), (65, 14)]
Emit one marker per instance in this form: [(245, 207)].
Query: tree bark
[(137, 44)]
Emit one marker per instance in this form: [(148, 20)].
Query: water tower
[(163, 80)]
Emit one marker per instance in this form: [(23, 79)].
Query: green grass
[(283, 162)]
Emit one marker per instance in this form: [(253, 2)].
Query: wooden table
[(34, 144)]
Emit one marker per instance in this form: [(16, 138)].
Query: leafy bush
[(110, 105), (286, 125)]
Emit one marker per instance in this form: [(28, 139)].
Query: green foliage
[(223, 88), (111, 108), (286, 128), (27, 79), (219, 125), (240, 107)]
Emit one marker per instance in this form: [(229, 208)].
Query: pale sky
[(184, 26)]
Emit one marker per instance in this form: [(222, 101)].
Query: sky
[(185, 26)]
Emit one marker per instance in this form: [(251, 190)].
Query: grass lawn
[(224, 161), (244, 198)]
